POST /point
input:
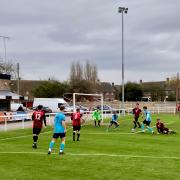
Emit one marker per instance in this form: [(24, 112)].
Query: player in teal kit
[(114, 120), (59, 131), (147, 120)]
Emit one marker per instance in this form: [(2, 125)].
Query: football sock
[(62, 146), (116, 125), (139, 124), (150, 129), (51, 145), (78, 135), (74, 134), (135, 125), (35, 138), (142, 127), (95, 123), (45, 122), (99, 123)]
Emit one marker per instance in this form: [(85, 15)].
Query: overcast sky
[(47, 35)]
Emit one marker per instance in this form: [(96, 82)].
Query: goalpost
[(83, 94)]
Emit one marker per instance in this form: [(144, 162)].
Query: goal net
[(90, 102)]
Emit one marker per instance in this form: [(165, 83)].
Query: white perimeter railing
[(23, 120), (157, 110)]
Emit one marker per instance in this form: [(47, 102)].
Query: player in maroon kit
[(38, 117), (76, 123), (178, 109), (162, 129), (136, 112)]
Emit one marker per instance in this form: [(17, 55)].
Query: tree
[(83, 87), (132, 91), (172, 96), (76, 72), (90, 72), (157, 93), (83, 78), (174, 82), (8, 68), (175, 85), (156, 90), (51, 89)]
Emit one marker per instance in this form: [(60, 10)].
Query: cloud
[(46, 36)]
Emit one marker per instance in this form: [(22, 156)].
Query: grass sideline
[(113, 155)]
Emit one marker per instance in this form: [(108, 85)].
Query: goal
[(93, 95)]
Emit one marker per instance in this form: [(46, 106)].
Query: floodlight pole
[(18, 79), (74, 101), (122, 10), (177, 89), (4, 42)]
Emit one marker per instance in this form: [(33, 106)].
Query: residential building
[(6, 96)]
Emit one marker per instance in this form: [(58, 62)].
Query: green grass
[(117, 154)]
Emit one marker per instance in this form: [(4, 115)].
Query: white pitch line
[(19, 152), (107, 133), (18, 137), (97, 154), (125, 155)]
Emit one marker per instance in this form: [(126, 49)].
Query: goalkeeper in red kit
[(38, 117), (76, 123)]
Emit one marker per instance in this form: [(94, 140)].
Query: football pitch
[(116, 154)]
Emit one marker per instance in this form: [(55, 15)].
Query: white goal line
[(96, 154)]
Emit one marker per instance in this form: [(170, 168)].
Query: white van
[(52, 103), (15, 106)]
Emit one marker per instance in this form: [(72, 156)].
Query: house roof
[(106, 87), (4, 94)]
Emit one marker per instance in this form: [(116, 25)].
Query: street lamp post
[(122, 10)]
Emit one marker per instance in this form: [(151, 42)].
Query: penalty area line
[(97, 155)]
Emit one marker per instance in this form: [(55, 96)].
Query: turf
[(116, 154)]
